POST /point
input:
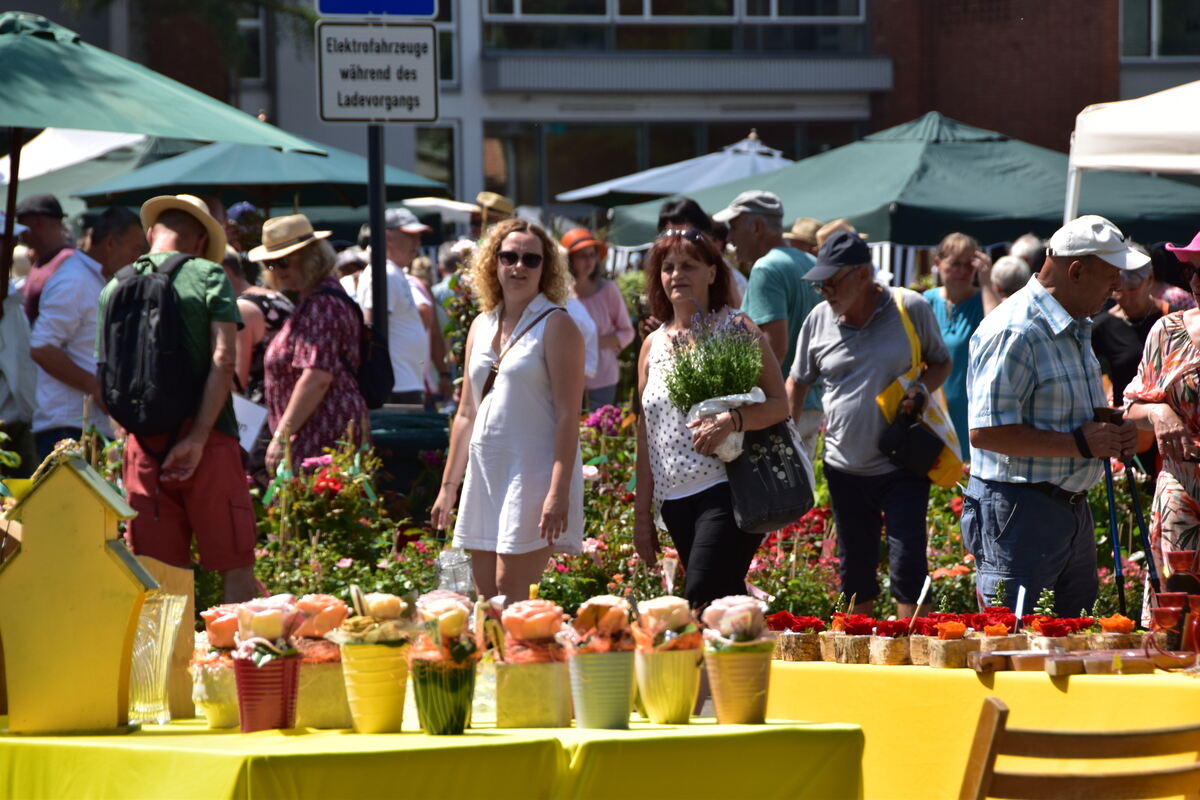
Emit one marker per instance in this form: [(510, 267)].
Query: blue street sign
[(378, 8)]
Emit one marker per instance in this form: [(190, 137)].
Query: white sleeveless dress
[(511, 453)]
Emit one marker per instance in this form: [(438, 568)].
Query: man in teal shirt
[(777, 298)]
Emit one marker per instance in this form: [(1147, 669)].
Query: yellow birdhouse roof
[(91, 479)]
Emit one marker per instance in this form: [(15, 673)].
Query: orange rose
[(999, 629), (951, 630), (531, 620), (1117, 623), (322, 613)]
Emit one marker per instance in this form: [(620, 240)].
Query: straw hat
[(830, 228), (153, 208), (284, 235), (804, 229), (494, 204)]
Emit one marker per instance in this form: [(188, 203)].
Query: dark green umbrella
[(50, 77), (914, 183), (264, 176)]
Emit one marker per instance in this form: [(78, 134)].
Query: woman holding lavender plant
[(678, 477)]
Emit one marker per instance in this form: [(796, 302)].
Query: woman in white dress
[(514, 443)]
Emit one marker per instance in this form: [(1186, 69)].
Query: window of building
[(252, 64), (447, 33), (512, 161), (580, 155), (435, 154), (1160, 29)]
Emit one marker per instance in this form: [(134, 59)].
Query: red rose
[(780, 621), (1055, 627), (858, 624), (891, 627), (956, 505), (807, 625)]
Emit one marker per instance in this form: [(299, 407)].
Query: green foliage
[(1045, 603), (9, 460), (632, 284), (721, 357), (461, 309)]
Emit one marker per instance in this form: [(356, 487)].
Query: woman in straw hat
[(311, 389), (514, 444)]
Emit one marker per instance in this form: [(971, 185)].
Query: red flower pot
[(1183, 561), (1171, 599), (267, 694)]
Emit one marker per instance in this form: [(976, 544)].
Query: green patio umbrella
[(50, 77), (264, 176), (916, 182)]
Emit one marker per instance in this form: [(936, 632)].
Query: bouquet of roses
[(530, 627), (600, 626), (736, 624), (666, 623), (379, 618), (446, 631), (532, 685), (443, 660)]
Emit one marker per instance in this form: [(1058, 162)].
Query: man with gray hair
[(1009, 274), (777, 298), (1029, 248), (1119, 333), (63, 339)]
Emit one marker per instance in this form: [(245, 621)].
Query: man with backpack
[(166, 364)]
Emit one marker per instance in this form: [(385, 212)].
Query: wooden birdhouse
[(69, 603)]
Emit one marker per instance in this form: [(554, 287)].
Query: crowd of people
[(1029, 355)]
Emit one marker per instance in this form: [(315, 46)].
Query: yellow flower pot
[(533, 695), (739, 682), (667, 682), (375, 676)]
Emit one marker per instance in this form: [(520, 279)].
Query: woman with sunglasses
[(1164, 397), (514, 443), (311, 388), (678, 478)]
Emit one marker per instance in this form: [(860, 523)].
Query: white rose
[(667, 612)]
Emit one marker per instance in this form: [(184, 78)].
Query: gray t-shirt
[(856, 364)]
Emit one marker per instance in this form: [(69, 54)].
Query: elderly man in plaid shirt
[(1034, 388)]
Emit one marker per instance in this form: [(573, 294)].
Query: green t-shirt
[(205, 297), (777, 290)]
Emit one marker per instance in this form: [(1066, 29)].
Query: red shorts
[(214, 504)]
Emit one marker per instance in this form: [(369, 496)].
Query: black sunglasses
[(277, 263), (691, 234), (528, 260)]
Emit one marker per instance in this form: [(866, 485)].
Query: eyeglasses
[(510, 258), (826, 288), (691, 234), (277, 263)]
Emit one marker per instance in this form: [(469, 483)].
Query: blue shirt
[(957, 323), (1032, 364)]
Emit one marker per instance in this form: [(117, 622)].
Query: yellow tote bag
[(947, 470)]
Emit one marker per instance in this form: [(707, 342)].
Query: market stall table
[(186, 759), (919, 722)]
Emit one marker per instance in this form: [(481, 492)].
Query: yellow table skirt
[(188, 760), (919, 722)]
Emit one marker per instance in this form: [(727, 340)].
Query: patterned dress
[(323, 333), (275, 309), (1170, 373)]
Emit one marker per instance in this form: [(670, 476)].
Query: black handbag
[(909, 443), (769, 481)]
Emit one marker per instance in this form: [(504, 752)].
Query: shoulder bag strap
[(913, 342), (494, 369)]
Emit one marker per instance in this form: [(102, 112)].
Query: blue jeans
[(601, 396), (1024, 537), (863, 506)]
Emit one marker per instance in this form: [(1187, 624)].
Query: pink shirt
[(607, 309)]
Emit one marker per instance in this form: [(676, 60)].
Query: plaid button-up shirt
[(1032, 363)]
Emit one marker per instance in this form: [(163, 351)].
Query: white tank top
[(678, 470)]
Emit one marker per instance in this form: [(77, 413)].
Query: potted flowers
[(374, 648), (889, 645), (600, 645), (321, 702), (853, 647), (994, 628), (737, 654), (443, 661), (796, 638), (214, 690), (667, 662), (532, 687), (266, 664), (950, 648)]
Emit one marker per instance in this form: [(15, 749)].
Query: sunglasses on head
[(509, 258), (691, 234), (277, 263)]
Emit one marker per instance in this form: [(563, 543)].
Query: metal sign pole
[(379, 287)]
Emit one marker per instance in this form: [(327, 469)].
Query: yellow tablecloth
[(919, 722), (187, 760)]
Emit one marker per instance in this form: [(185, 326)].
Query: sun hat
[(841, 250), (1093, 235), (403, 219), (578, 239), (45, 205), (833, 226), (1181, 251), (494, 203), (804, 229), (153, 208), (754, 201), (284, 235)]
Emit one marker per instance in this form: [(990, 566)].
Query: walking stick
[(1118, 567), (1151, 570)]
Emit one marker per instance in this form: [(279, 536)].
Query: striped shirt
[(1032, 364)]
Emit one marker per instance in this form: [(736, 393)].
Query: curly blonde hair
[(555, 279), (315, 261)]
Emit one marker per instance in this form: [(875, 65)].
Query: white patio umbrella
[(1158, 132), (741, 160), (58, 148)]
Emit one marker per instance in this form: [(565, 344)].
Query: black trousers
[(716, 554)]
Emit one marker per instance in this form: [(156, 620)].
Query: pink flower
[(317, 461), (261, 552), (421, 546), (561, 567), (344, 562), (383, 564), (591, 472)]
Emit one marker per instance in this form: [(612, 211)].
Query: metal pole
[(379, 293), (1071, 207), (10, 211), (1118, 567)]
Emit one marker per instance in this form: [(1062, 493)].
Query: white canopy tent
[(1156, 133), (58, 148)]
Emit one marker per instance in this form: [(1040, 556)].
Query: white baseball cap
[(1093, 235)]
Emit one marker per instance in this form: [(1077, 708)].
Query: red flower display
[(891, 627), (858, 624), (326, 483), (1054, 627), (786, 621)]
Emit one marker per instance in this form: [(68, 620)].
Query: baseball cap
[(45, 205), (1093, 235), (754, 201), (405, 220), (841, 250)]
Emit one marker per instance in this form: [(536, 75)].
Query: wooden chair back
[(993, 738)]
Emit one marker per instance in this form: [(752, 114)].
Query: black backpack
[(375, 376), (146, 376)]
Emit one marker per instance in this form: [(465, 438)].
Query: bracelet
[(1081, 443), (740, 421)]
